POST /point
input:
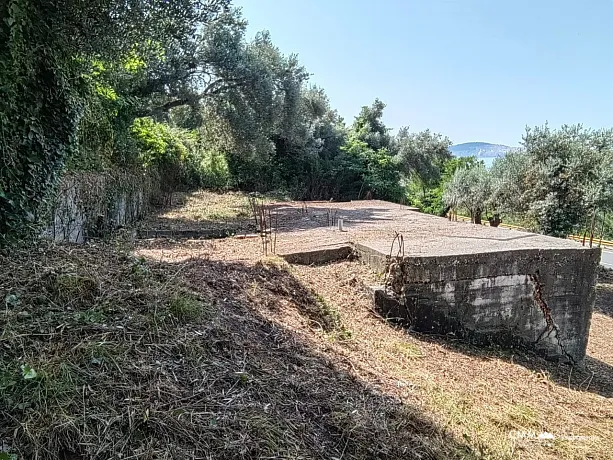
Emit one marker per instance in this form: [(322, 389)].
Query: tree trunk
[(495, 221), (592, 225), (477, 216)]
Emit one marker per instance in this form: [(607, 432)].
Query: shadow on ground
[(199, 214), (184, 360), (604, 295), (592, 375), (209, 215)]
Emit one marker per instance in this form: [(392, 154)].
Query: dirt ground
[(173, 348), (302, 226), (503, 404)]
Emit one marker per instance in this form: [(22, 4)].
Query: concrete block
[(528, 298)]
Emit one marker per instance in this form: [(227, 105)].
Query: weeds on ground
[(102, 374), (187, 308)]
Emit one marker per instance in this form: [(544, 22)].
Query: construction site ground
[(504, 404), (308, 226), (216, 348)]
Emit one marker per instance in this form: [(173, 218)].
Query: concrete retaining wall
[(89, 205), (541, 299), (319, 256)]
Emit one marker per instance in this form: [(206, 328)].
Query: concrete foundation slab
[(484, 284)]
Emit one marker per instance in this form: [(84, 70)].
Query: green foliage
[(559, 181), (364, 165), (46, 56), (382, 176), (430, 200), (369, 128), (374, 172), (424, 159), (176, 88), (554, 177), (422, 156), (508, 185), (159, 144), (210, 169), (604, 226), (453, 164), (469, 188), (180, 155), (27, 372), (186, 308), (39, 112)]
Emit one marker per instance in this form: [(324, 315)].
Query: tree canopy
[(423, 155), (555, 184), (177, 88)]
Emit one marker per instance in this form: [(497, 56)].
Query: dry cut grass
[(205, 210), (204, 349), (107, 355), (503, 404), (500, 404)]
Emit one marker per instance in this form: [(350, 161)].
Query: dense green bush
[(179, 155), (560, 182)]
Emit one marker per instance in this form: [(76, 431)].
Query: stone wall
[(541, 299), (91, 204)]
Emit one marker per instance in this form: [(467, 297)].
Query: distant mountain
[(479, 150)]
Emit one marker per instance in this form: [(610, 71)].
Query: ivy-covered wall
[(93, 204)]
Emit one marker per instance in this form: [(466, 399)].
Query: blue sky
[(475, 70)]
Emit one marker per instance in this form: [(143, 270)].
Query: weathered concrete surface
[(540, 299), (89, 205), (373, 224), (320, 256), (483, 284)]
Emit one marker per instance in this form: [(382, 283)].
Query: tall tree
[(369, 156), (46, 50), (508, 175), (567, 176), (559, 181), (422, 156), (368, 127)]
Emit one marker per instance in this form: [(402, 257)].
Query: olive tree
[(469, 188), (422, 155)]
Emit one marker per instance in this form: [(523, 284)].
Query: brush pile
[(104, 355)]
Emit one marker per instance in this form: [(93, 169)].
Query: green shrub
[(180, 155), (187, 308)]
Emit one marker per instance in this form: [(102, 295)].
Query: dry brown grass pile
[(106, 356), (205, 350)]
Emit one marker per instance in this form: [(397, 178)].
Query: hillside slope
[(175, 349), (479, 150), (110, 356)]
